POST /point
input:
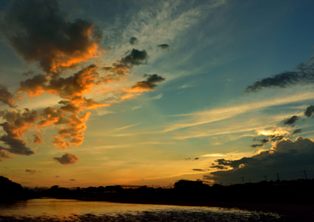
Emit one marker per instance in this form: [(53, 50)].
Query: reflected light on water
[(74, 210), (67, 207)]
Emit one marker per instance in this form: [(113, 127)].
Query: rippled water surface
[(74, 210)]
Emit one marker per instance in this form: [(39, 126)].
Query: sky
[(138, 92)]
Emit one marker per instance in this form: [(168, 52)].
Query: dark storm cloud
[(39, 32), (287, 158), (291, 120), (309, 111), (133, 40), (135, 57), (67, 158), (6, 97), (163, 46)]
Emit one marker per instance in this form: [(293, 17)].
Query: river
[(74, 210)]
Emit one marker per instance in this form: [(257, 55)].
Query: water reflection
[(47, 209)]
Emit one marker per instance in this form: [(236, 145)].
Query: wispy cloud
[(125, 127), (219, 114)]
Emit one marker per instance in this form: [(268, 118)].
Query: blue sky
[(199, 113)]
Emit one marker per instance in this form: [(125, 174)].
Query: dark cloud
[(309, 111), (291, 120), (287, 158), (192, 158), (143, 86), (257, 145), (223, 164), (30, 171), (297, 131), (264, 140), (6, 97), (15, 145), (15, 125), (133, 40), (275, 138), (39, 32), (34, 86), (261, 142), (150, 83), (199, 170), (135, 57), (280, 80), (67, 158), (303, 74), (163, 46)]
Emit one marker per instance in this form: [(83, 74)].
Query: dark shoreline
[(294, 200)]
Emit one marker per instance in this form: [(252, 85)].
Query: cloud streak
[(218, 114)]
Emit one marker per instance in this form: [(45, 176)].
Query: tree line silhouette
[(183, 192)]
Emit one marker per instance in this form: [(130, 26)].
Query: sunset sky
[(148, 92)]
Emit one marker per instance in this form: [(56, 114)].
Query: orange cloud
[(64, 60), (56, 43), (15, 126)]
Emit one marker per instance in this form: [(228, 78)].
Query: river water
[(74, 210)]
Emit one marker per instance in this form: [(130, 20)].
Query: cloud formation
[(291, 120), (15, 126), (133, 40), (30, 171), (304, 74), (39, 32), (163, 46), (288, 158), (135, 57), (66, 158), (152, 80), (6, 97), (150, 83), (309, 111)]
